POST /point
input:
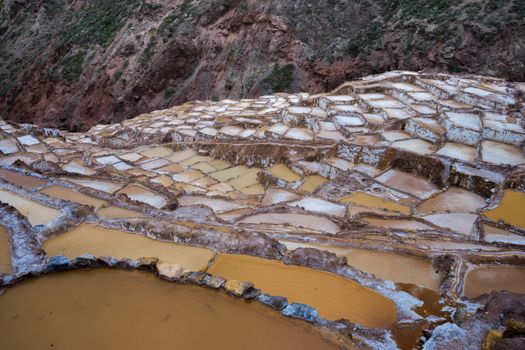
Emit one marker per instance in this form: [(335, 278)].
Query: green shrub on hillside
[(281, 77), (72, 66), (98, 22)]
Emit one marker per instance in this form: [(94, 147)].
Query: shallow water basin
[(18, 179), (510, 209), (230, 173), (311, 183), (36, 213), (366, 200), (60, 192), (100, 241), (108, 309), (5, 252), (334, 297), (384, 265), (248, 179), (486, 279), (283, 172)]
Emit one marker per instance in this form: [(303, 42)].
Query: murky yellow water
[(407, 335), (387, 266), (283, 172), (28, 182), (312, 182), (72, 196), (248, 179), (99, 241), (230, 173), (5, 252), (334, 297), (364, 199), (108, 309), (113, 212), (36, 213), (203, 167), (510, 209), (486, 279)]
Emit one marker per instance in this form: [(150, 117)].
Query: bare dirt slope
[(75, 63)]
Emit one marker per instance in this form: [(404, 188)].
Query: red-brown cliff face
[(75, 63)]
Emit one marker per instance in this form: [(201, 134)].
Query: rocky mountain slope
[(75, 63)]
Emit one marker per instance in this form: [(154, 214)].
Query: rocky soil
[(75, 63)]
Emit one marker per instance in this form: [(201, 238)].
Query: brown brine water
[(384, 265), (5, 251), (510, 209), (36, 213), (109, 309), (25, 181), (333, 296), (100, 241), (60, 192), (486, 279)]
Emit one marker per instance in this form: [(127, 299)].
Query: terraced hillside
[(76, 63), (387, 213)]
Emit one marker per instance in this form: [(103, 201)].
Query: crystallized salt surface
[(299, 134), (349, 121), (103, 186), (320, 206), (465, 120), (78, 168), (312, 222), (108, 160), (418, 146), (276, 195), (7, 146), (458, 151), (407, 183), (501, 153), (28, 140), (217, 205), (457, 222), (279, 129)]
